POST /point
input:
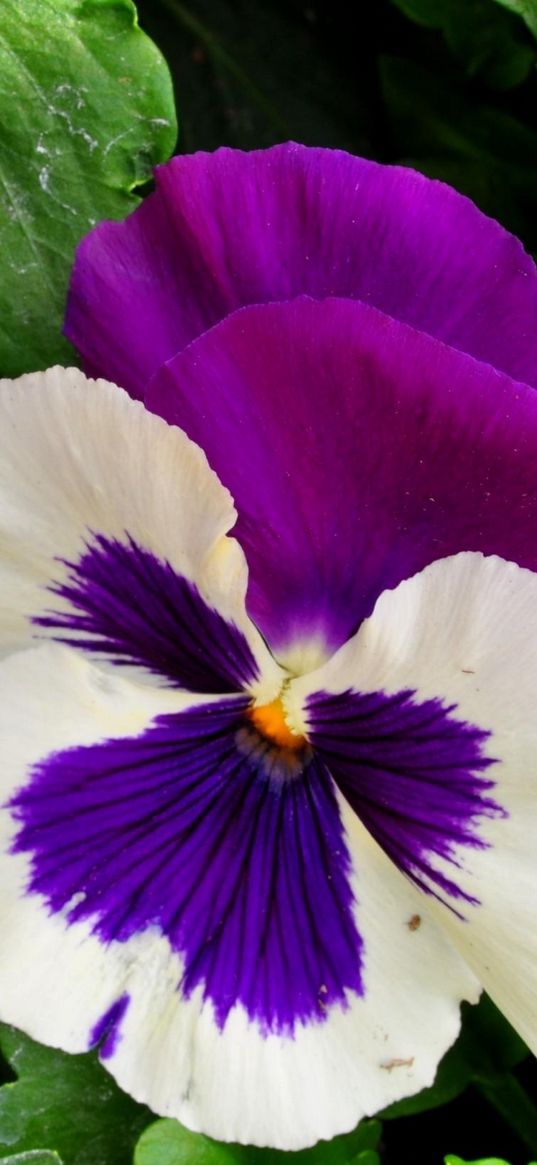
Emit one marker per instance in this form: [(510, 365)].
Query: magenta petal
[(357, 450), (230, 229)]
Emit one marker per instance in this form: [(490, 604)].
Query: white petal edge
[(465, 630), (288, 1093), (57, 980), (78, 455)]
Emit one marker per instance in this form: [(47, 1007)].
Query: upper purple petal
[(230, 229), (358, 451)]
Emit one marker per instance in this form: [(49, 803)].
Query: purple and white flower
[(270, 773)]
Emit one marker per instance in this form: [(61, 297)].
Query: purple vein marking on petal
[(413, 773), (190, 829), (106, 1032), (132, 606)]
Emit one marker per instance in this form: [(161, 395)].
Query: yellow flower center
[(269, 719)]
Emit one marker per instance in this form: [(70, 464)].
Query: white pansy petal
[(427, 721), (120, 513), (289, 1091), (189, 926), (57, 979)]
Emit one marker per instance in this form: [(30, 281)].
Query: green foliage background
[(86, 111)]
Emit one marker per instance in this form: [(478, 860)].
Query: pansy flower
[(268, 702)]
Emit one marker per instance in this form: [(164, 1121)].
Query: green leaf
[(488, 1042), (489, 42), (505, 1093), (527, 9), (64, 1103), (86, 110), (368, 1157), (33, 1157), (166, 1142), (451, 1160)]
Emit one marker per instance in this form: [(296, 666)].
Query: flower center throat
[(270, 721)]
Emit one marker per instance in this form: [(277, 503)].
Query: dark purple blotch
[(415, 775), (189, 829), (106, 1033), (130, 605)]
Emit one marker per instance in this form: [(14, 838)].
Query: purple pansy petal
[(229, 229), (460, 633), (115, 521), (357, 451), (168, 1043)]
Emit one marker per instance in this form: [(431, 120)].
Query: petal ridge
[(231, 228)]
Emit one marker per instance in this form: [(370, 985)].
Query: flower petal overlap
[(461, 627), (348, 440), (268, 787), (229, 229)]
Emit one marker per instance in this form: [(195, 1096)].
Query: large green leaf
[(64, 1103), (527, 9), (86, 109), (166, 1142)]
